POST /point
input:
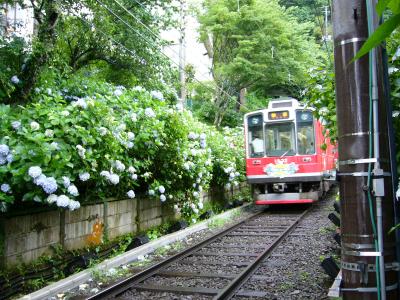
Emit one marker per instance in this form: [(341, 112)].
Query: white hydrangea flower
[(176, 207), (203, 136), (161, 189), (49, 133), (170, 197), (157, 95), (192, 136), (73, 190), (121, 127), (131, 170), (193, 152), (5, 188), (151, 192), (4, 150), (80, 103), (62, 201), (35, 171), (200, 205), (203, 144), (163, 198), (10, 158), (133, 117), (81, 151), (200, 188), (134, 176), (131, 136), (84, 176), (114, 179), (195, 194), (131, 194), (130, 145), (52, 198), (105, 174), (66, 181), (149, 112), (16, 125), (186, 166), (65, 113), (102, 131), (54, 146), (179, 107), (40, 180), (119, 166), (196, 211), (72, 204), (146, 175), (15, 79), (118, 92), (35, 125), (49, 185)]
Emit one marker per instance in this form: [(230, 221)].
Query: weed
[(217, 222)]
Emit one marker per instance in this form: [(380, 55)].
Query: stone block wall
[(25, 237)]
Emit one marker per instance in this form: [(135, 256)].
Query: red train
[(287, 156)]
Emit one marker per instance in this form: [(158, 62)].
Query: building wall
[(28, 236)]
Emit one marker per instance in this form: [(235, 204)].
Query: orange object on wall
[(95, 238)]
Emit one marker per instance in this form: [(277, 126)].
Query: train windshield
[(256, 136), (305, 133), (280, 139)]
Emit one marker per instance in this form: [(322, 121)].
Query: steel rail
[(238, 282), (122, 286)]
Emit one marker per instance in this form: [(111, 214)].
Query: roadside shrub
[(87, 140)]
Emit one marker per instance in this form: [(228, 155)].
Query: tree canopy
[(257, 45)]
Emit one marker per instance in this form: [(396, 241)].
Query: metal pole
[(326, 23), (357, 215), (182, 53), (379, 191)]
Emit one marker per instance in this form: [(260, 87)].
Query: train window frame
[(280, 152), (257, 130), (300, 123)]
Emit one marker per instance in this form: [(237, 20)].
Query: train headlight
[(273, 115), (285, 114)]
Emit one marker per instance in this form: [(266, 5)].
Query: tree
[(73, 35), (259, 46)]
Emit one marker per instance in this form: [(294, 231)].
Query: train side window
[(305, 133), (255, 136)]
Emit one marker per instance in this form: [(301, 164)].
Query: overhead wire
[(230, 97)]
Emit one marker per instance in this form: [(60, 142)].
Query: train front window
[(255, 136), (305, 133), (280, 139)]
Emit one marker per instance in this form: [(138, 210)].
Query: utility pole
[(182, 53), (326, 23), (367, 210)]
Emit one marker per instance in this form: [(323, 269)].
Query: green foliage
[(385, 29), (320, 95), (259, 45)]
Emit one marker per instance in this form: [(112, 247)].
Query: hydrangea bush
[(84, 142)]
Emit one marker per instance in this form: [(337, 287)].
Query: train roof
[(282, 103)]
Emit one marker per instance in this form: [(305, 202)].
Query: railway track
[(215, 268)]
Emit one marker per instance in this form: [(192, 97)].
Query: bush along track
[(78, 142)]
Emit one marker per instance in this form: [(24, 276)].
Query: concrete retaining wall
[(26, 237)]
